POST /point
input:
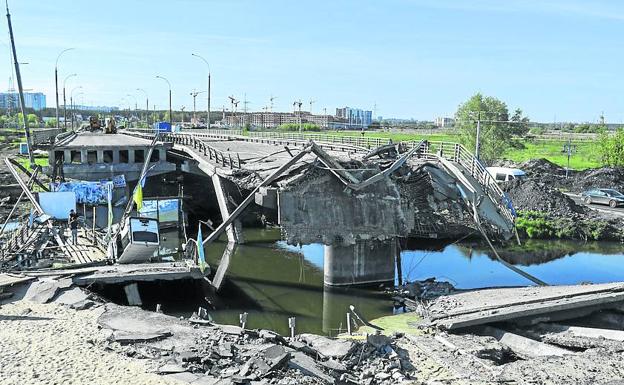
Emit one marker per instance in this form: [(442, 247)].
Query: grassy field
[(23, 160), (585, 156)]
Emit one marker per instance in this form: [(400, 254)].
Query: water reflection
[(555, 262), (279, 281), (273, 281)]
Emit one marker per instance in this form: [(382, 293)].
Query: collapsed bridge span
[(355, 200)]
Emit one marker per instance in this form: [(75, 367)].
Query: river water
[(273, 281)]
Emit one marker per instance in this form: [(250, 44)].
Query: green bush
[(305, 127)]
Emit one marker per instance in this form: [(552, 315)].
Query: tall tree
[(495, 135), (519, 124)]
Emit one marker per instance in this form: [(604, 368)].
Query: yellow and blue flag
[(201, 259), (138, 197)]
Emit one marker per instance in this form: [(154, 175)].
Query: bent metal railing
[(220, 157)]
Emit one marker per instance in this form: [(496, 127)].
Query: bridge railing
[(348, 140), (226, 159), (457, 153)]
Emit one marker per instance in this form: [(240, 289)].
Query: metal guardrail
[(223, 158), (348, 140)]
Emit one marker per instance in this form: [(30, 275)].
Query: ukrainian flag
[(138, 196), (201, 260)]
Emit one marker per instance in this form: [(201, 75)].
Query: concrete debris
[(43, 291), (215, 354), (327, 347)]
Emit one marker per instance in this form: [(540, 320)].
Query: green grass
[(586, 155), (43, 162)]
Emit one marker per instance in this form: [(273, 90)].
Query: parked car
[(605, 196), (505, 174)]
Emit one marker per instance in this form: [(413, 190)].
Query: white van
[(505, 174)]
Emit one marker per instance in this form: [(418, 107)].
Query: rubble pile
[(233, 355), (535, 195)]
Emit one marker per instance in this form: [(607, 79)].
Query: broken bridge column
[(234, 231), (363, 263), (132, 294)]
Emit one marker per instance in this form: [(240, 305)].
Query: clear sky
[(555, 59)]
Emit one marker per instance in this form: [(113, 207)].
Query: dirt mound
[(606, 177), (534, 195), (539, 167)]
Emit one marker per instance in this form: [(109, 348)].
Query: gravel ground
[(52, 344)]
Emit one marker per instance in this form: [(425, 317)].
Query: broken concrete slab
[(578, 331), (171, 368), (131, 337), (327, 347), (71, 296), (524, 346), (378, 340), (43, 291), (309, 367), (481, 307)]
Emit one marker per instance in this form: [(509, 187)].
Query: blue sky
[(555, 59)]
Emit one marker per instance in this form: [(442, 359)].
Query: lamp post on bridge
[(71, 103), (65, 102), (56, 84), (146, 106), (208, 107), (170, 111)]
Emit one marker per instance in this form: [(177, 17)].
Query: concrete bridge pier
[(364, 263), (234, 231)]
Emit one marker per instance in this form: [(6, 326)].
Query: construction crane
[(298, 103)]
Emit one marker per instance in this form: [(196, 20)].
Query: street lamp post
[(71, 103), (135, 103), (65, 102), (170, 112), (56, 84), (146, 106), (208, 110)]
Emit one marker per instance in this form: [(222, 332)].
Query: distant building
[(355, 117), (274, 119), (34, 100), (442, 122), (96, 108)]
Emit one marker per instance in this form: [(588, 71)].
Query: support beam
[(132, 294), (235, 230)]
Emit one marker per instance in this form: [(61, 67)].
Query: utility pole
[(271, 100), (20, 89), (311, 102), (478, 138)]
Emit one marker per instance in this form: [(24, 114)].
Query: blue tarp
[(90, 193)]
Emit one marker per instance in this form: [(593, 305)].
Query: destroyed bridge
[(355, 195)]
